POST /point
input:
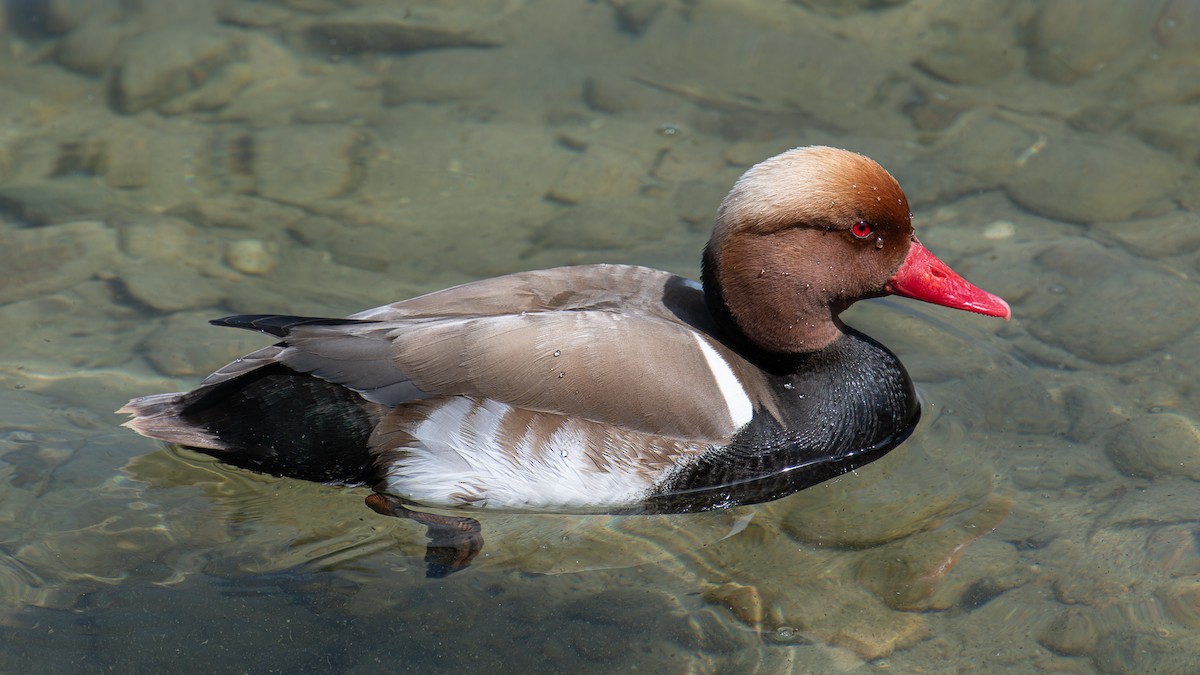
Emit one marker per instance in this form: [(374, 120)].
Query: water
[(163, 165)]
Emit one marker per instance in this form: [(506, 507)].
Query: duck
[(601, 388)]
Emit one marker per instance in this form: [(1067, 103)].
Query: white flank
[(456, 461), (741, 410)]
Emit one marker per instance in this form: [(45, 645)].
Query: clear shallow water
[(165, 165)]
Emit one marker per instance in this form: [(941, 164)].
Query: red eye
[(862, 229)]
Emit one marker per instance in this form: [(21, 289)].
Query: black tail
[(271, 419)]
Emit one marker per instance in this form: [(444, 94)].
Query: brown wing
[(638, 373), (604, 343), (631, 288)]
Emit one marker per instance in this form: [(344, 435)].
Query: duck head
[(805, 234)]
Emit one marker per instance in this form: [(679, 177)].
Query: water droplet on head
[(561, 374), (557, 352)]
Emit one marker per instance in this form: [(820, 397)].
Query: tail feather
[(270, 419), (159, 417)]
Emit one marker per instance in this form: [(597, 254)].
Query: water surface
[(165, 164)]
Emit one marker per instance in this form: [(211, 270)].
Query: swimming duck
[(599, 388)]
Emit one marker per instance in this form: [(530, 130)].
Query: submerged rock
[(94, 47), (907, 573), (42, 260), (443, 76), (156, 66), (1145, 652), (303, 163), (1181, 599), (251, 256), (169, 288), (1156, 444), (972, 54), (599, 172), (1072, 40), (744, 601), (1082, 179), (1173, 128), (384, 28), (602, 224), (1094, 281), (171, 265), (124, 157), (61, 200), (1072, 633), (184, 345), (1176, 233), (843, 615)]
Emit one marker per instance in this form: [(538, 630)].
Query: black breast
[(839, 408)]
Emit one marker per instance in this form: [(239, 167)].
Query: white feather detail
[(741, 409), (456, 460)]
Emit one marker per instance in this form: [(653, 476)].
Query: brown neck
[(767, 302)]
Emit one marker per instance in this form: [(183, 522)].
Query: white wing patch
[(741, 409), (458, 458)]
